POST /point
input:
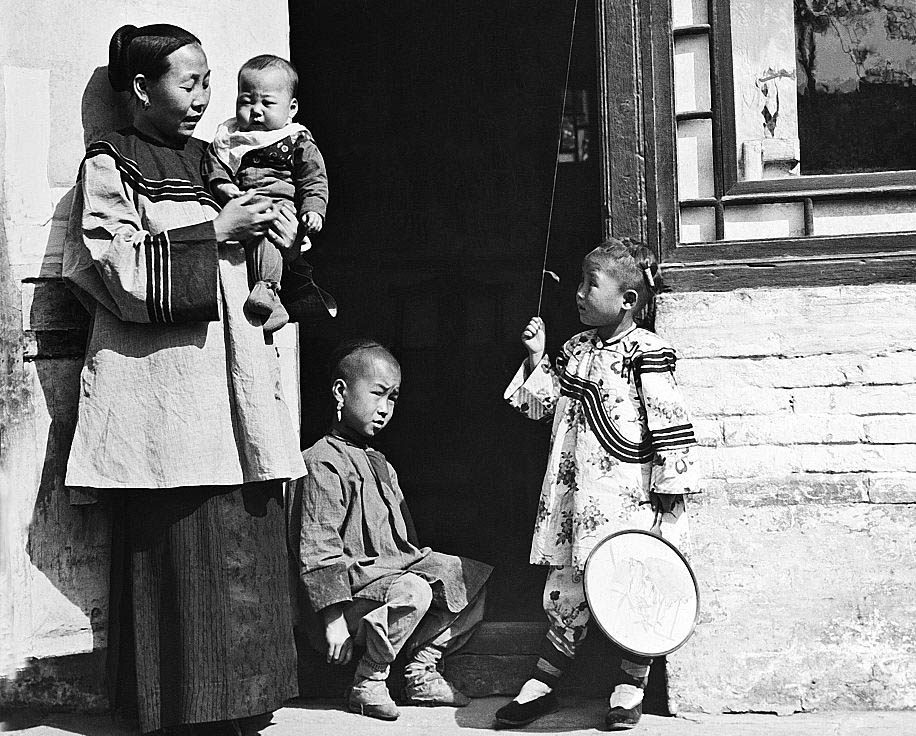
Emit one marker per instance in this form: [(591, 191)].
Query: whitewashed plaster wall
[(805, 405), (54, 97)]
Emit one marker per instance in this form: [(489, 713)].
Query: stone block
[(892, 368), (770, 372), (49, 304), (892, 488), (735, 400), (894, 429), (787, 489), (829, 369), (788, 429), (853, 399), (707, 431), (771, 460), (790, 322)]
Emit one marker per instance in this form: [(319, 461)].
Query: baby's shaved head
[(355, 358)]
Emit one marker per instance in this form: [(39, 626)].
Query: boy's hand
[(312, 222), (340, 644), (534, 338)]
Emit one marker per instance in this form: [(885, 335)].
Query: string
[(556, 158)]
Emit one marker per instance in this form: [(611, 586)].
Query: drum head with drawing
[(642, 593)]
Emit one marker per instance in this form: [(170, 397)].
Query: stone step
[(496, 661)]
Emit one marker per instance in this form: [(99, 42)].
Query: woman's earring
[(339, 408), (145, 104)]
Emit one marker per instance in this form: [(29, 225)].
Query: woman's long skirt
[(203, 574)]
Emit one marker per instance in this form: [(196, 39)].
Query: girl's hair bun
[(117, 57)]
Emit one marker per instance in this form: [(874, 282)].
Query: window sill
[(812, 261)]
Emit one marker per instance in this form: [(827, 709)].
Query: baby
[(262, 148)]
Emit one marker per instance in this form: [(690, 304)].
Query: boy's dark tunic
[(354, 537)]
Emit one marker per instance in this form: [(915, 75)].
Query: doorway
[(438, 123)]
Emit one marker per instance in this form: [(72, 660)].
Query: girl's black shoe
[(620, 719), (521, 714)]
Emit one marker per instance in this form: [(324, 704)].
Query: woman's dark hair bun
[(143, 51), (117, 52)]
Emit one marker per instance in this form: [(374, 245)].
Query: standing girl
[(619, 453), (181, 414)]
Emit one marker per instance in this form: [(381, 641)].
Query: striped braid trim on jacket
[(656, 361), (156, 190), (673, 438), (589, 395), (157, 250)]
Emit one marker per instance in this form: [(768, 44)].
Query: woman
[(181, 409)]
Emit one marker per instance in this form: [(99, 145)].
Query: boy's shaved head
[(355, 358)]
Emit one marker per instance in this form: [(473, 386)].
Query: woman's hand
[(534, 338), (244, 217), (340, 644), (282, 232)]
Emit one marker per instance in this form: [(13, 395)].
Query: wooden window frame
[(637, 140)]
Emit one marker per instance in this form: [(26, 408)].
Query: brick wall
[(805, 401)]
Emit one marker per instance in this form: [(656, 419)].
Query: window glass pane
[(751, 222), (691, 74), (688, 13), (864, 216), (698, 225), (694, 159), (856, 71), (763, 70)]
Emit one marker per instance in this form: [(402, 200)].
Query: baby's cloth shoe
[(371, 698), (265, 300), (625, 708)]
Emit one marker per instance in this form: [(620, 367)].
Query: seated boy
[(360, 565)]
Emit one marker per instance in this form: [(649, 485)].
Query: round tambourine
[(642, 593)]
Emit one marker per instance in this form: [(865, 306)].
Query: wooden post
[(620, 122)]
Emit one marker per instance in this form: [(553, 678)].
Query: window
[(792, 136)]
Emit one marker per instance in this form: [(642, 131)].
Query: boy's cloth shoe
[(371, 698), (521, 714), (434, 689), (619, 718)]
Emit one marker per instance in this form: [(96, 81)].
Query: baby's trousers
[(568, 615), (264, 260), (406, 620)]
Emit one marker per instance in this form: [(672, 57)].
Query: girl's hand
[(244, 217), (534, 338)]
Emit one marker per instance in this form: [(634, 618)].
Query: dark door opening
[(438, 122)]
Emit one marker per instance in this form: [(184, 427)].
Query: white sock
[(532, 690), (626, 696)]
